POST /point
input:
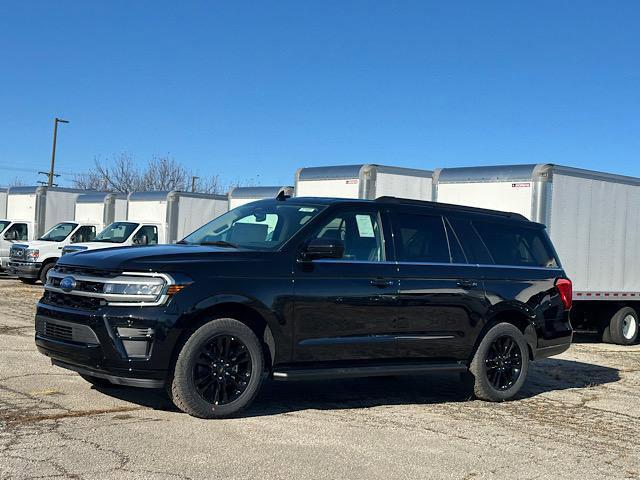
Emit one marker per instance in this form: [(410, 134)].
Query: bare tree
[(120, 174)]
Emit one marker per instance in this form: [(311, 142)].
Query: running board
[(291, 374)]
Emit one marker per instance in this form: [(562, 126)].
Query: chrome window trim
[(118, 300), (436, 264)]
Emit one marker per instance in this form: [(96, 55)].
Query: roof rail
[(449, 206)]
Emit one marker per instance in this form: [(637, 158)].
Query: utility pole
[(193, 183), (53, 153)]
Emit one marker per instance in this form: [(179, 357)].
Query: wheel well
[(515, 318), (242, 313)]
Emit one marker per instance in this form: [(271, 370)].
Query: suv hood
[(155, 258)]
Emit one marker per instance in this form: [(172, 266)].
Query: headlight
[(153, 286), (32, 254), (66, 250)]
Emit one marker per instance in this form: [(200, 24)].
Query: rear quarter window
[(516, 244)]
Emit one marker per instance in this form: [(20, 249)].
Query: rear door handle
[(381, 283), (468, 284)]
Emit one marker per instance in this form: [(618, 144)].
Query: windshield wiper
[(220, 243)]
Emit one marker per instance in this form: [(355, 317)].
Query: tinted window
[(472, 244), (514, 244), (420, 238), (361, 233), (457, 254)]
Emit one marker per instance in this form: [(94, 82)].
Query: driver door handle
[(467, 284), (381, 282)]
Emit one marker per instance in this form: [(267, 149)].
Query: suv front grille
[(72, 301)]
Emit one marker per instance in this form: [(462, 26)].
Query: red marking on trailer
[(351, 182)]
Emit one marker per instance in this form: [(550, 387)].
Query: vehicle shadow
[(282, 397)]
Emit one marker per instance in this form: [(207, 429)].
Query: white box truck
[(45, 214), (154, 218), (242, 195), (365, 181), (101, 208), (3, 202), (593, 219)]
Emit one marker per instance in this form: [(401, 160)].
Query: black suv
[(310, 288)]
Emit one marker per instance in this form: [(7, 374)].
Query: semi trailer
[(365, 181), (593, 220), (242, 195)]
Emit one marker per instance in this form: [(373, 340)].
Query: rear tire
[(44, 271), (500, 364), (218, 372), (97, 381), (28, 281), (623, 327)]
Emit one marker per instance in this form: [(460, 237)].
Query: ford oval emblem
[(67, 284)]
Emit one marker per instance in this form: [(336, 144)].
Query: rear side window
[(513, 244), (420, 238)]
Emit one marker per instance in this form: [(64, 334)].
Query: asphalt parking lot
[(578, 417)]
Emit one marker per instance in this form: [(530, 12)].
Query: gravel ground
[(576, 418)]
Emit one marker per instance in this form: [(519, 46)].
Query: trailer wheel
[(623, 327)]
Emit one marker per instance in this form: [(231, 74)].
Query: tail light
[(565, 289)]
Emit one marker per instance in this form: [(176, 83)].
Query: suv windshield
[(3, 224), (263, 225), (59, 232), (117, 232)]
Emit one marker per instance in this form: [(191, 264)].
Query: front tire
[(623, 327), (43, 272), (500, 364), (28, 281), (218, 372)]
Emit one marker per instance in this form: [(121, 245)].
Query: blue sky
[(254, 90)]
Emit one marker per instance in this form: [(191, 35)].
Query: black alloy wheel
[(222, 369), (503, 362)]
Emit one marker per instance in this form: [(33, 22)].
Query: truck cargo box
[(241, 195), (592, 217), (101, 208), (177, 213), (365, 181)]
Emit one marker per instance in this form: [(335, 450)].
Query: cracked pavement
[(577, 417)]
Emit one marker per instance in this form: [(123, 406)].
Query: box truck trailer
[(154, 218), (242, 195), (593, 219), (45, 214), (365, 181), (101, 208), (3, 202)]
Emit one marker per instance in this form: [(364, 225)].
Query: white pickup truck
[(31, 261), (12, 231), (120, 234)]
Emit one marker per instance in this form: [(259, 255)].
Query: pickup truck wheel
[(97, 381), (218, 372), (28, 281), (623, 327), (500, 364), (45, 269)]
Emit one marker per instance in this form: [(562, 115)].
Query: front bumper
[(101, 352), (24, 269)]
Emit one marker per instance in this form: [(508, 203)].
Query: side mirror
[(323, 248), (12, 236)]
